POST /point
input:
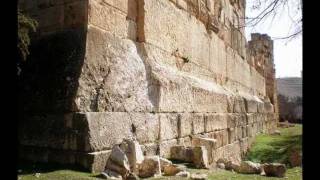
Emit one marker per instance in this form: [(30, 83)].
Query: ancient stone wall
[(161, 71)]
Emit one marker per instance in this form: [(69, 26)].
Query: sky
[(287, 54)]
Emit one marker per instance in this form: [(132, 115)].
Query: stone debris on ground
[(197, 155), (149, 167), (108, 174), (183, 174), (274, 169), (295, 158), (248, 167), (276, 132), (198, 176), (173, 169)]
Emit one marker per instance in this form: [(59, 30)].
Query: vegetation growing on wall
[(25, 26)]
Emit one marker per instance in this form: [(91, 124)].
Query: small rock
[(132, 176), (37, 175), (172, 169), (274, 169), (149, 167), (108, 174), (198, 176), (183, 174), (221, 166), (229, 165), (276, 132), (248, 167), (295, 158), (118, 162), (164, 162)]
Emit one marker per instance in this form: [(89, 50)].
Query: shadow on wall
[(48, 82), (49, 78)]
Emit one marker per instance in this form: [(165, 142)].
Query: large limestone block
[(197, 123), (118, 161), (149, 167), (200, 158), (170, 28), (128, 7), (215, 122), (231, 135), (268, 107), (165, 146), (168, 126), (109, 128), (133, 152), (111, 18), (181, 153), (145, 126), (218, 61), (150, 149), (185, 124), (209, 143), (221, 137), (113, 75), (248, 167)]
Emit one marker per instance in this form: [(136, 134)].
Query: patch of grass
[(276, 148), (28, 170), (292, 174)]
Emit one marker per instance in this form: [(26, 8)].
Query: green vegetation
[(276, 148), (25, 25)]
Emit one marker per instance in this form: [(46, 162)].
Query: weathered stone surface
[(149, 167), (164, 162), (185, 174), (156, 71), (185, 124), (215, 122), (172, 169), (199, 176), (197, 123), (274, 169), (118, 162), (248, 167), (200, 157), (133, 152), (144, 126), (181, 153), (168, 126), (108, 174), (209, 143), (165, 147)]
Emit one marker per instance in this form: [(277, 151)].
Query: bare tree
[(275, 8)]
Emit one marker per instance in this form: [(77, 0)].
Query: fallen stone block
[(108, 174), (248, 167), (198, 176), (133, 151), (200, 158), (149, 167), (185, 174), (164, 162), (209, 143), (274, 169), (118, 161), (181, 153), (172, 169)]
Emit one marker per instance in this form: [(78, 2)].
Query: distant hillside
[(290, 87)]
